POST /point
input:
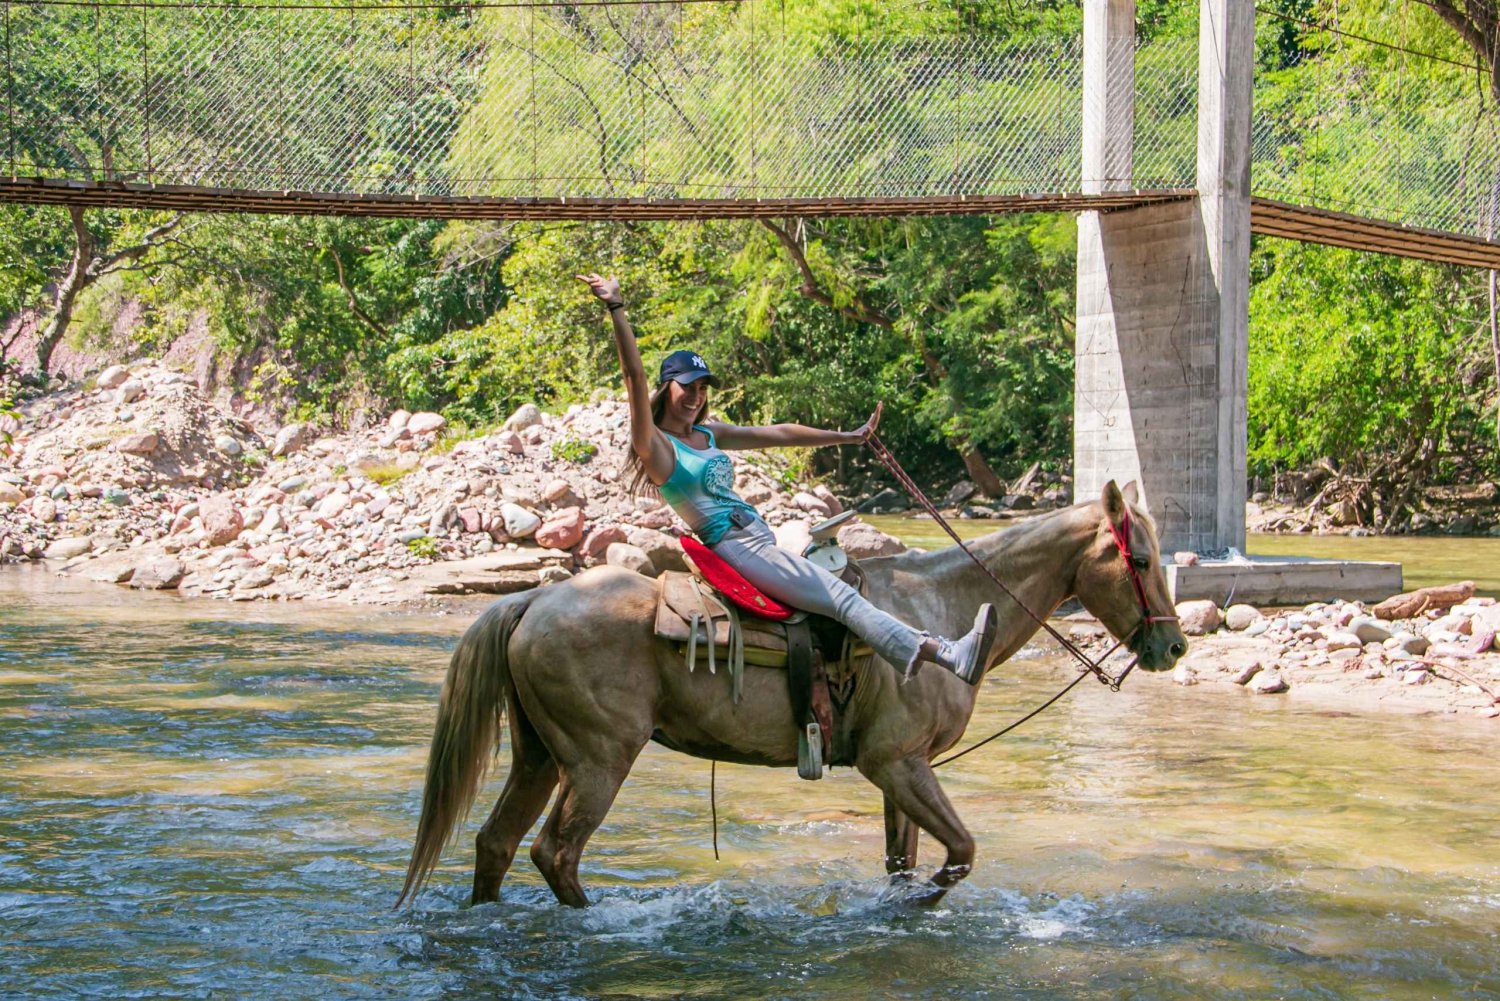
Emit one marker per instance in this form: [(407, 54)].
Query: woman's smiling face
[(685, 401)]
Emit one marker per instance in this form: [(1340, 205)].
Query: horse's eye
[(1141, 562)]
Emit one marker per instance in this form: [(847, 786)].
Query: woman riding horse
[(677, 449)]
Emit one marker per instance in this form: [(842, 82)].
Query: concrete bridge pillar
[(1163, 292)]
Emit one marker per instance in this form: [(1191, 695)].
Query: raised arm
[(732, 436), (646, 440)]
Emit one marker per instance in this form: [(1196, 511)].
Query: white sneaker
[(967, 655)]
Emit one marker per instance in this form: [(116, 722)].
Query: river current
[(216, 800)]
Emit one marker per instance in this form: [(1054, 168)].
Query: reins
[(1121, 534)]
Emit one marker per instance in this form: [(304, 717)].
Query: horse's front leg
[(900, 842), (912, 789)]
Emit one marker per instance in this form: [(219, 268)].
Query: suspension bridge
[(1172, 150)]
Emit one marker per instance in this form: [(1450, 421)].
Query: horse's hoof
[(927, 896)]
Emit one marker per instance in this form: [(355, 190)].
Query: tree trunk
[(979, 470), (78, 278)]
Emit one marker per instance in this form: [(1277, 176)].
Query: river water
[(214, 800)]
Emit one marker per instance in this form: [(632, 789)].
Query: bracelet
[(614, 305)]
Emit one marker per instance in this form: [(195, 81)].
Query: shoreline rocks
[(129, 494)]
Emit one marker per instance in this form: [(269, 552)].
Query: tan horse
[(586, 683)]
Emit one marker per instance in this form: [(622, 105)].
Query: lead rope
[(884, 455)]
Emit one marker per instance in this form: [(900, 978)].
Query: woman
[(676, 448)]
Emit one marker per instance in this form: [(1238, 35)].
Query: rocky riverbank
[(1435, 653), (136, 479)]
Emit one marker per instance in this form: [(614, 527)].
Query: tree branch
[(354, 306), (810, 288)]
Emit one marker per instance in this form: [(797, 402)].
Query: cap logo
[(699, 362)]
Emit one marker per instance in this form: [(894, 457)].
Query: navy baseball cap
[(685, 367)]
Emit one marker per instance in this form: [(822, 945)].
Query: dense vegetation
[(963, 325)]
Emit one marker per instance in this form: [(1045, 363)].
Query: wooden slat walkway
[(198, 199), (1268, 217)]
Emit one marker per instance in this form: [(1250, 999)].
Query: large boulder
[(593, 547), (292, 438), (811, 504), (141, 443), (958, 493), (664, 551), (862, 541), (834, 505), (519, 522), (426, 422), (113, 377), (526, 415), (1238, 618), (562, 530), (222, 524), (633, 558), (1198, 618), (67, 549), (160, 574)]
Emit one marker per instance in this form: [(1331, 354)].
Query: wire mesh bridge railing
[(657, 109)]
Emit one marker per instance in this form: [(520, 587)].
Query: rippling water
[(213, 800)]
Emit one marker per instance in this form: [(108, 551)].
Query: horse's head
[(1120, 581)]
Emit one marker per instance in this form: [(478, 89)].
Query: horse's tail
[(468, 724)]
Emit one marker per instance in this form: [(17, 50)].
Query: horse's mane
[(998, 542)]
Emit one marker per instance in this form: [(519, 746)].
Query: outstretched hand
[(607, 289), (868, 428)]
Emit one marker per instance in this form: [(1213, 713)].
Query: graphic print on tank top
[(718, 480)]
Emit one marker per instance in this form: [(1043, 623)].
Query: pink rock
[(333, 505), (834, 505), (660, 517), (426, 423), (398, 420), (112, 377), (512, 443), (160, 574), (600, 539), (179, 524), (143, 443), (562, 530), (560, 491), (811, 504), (222, 524), (862, 541), (471, 519)]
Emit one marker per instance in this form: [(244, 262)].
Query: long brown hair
[(635, 469)]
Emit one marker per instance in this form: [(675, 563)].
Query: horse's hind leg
[(912, 789), (900, 842), (584, 799), (533, 776)]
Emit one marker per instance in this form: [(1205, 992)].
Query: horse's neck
[(1036, 560)]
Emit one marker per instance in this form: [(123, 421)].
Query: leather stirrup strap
[(708, 623), (799, 662), (736, 653)]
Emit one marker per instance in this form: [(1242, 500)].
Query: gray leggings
[(795, 581)]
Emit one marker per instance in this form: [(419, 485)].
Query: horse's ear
[(1114, 503), (1132, 493)]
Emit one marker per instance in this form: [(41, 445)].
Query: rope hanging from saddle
[(1121, 535)]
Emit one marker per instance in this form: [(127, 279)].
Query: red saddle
[(728, 582)]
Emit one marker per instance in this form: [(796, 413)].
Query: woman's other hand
[(607, 289), (864, 432)]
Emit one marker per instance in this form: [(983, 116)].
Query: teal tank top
[(701, 489)]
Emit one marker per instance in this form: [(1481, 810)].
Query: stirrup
[(810, 752)]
